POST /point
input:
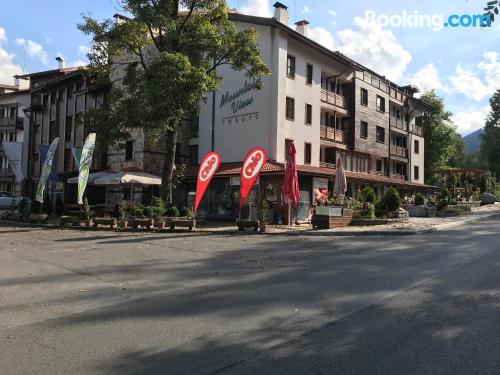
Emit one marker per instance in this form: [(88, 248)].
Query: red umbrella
[(291, 184)]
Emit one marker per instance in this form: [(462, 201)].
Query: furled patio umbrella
[(291, 191), (340, 186)]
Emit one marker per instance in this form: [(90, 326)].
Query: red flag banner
[(253, 163), (208, 167)]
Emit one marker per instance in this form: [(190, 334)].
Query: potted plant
[(87, 213), (121, 211), (263, 216), (158, 212)]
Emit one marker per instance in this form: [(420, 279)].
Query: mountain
[(472, 142)]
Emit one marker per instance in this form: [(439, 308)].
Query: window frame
[(127, 143), (416, 147), (416, 172), (308, 114), (309, 74), (307, 155), (363, 124), (291, 66), (290, 100), (361, 101), (378, 104), (377, 134)]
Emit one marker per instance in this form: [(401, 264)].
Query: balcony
[(399, 151), (11, 123), (398, 123), (334, 99), (331, 134), (416, 130), (398, 95), (324, 164), (6, 175)]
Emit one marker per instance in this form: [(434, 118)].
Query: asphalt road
[(107, 303)]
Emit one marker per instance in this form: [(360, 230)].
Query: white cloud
[(369, 44), (469, 83), (306, 10), (426, 79), (323, 37), (33, 49), (8, 68), (78, 63), (471, 119), (83, 50), (331, 12), (47, 39), (256, 8)]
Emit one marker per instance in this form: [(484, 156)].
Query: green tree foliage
[(165, 59), (419, 199), (442, 142), (392, 200), (490, 139), (368, 195)]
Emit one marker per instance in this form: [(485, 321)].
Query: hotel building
[(330, 106)]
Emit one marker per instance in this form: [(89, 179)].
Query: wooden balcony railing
[(333, 99), (6, 174), (331, 134), (399, 151), (10, 122), (416, 130), (396, 94), (324, 164), (398, 123)]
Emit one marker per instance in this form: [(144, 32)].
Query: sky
[(461, 63)]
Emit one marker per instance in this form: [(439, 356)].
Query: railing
[(6, 174), (398, 123), (399, 176), (331, 134), (396, 94), (333, 99), (324, 164), (10, 122), (416, 130), (399, 151)]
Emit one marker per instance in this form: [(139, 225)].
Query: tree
[(166, 58), (490, 139), (442, 142)]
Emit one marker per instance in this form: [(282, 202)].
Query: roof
[(49, 72), (234, 169)]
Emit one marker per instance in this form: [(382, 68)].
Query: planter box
[(144, 223), (68, 221), (337, 217), (38, 218), (247, 224), (420, 211), (111, 221), (187, 223)]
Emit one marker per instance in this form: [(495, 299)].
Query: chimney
[(60, 62), (302, 27), (281, 13)]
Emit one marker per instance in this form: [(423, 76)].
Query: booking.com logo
[(436, 21)]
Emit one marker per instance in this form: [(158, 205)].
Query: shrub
[(392, 200), (59, 210), (47, 205), (158, 207), (172, 212), (87, 213), (370, 213), (445, 194), (441, 204), (25, 207), (419, 199), (454, 210), (148, 211), (368, 195), (120, 210), (185, 212), (138, 211)]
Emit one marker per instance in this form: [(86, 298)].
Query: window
[(290, 108), (330, 155), (380, 104), (309, 78), (12, 112), (68, 128), (307, 153), (52, 130), (53, 98), (129, 150), (364, 96), (12, 137), (364, 130), (379, 166), (290, 66), (417, 146), (380, 134), (69, 92), (60, 95), (416, 173), (45, 100), (309, 114), (193, 154)]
